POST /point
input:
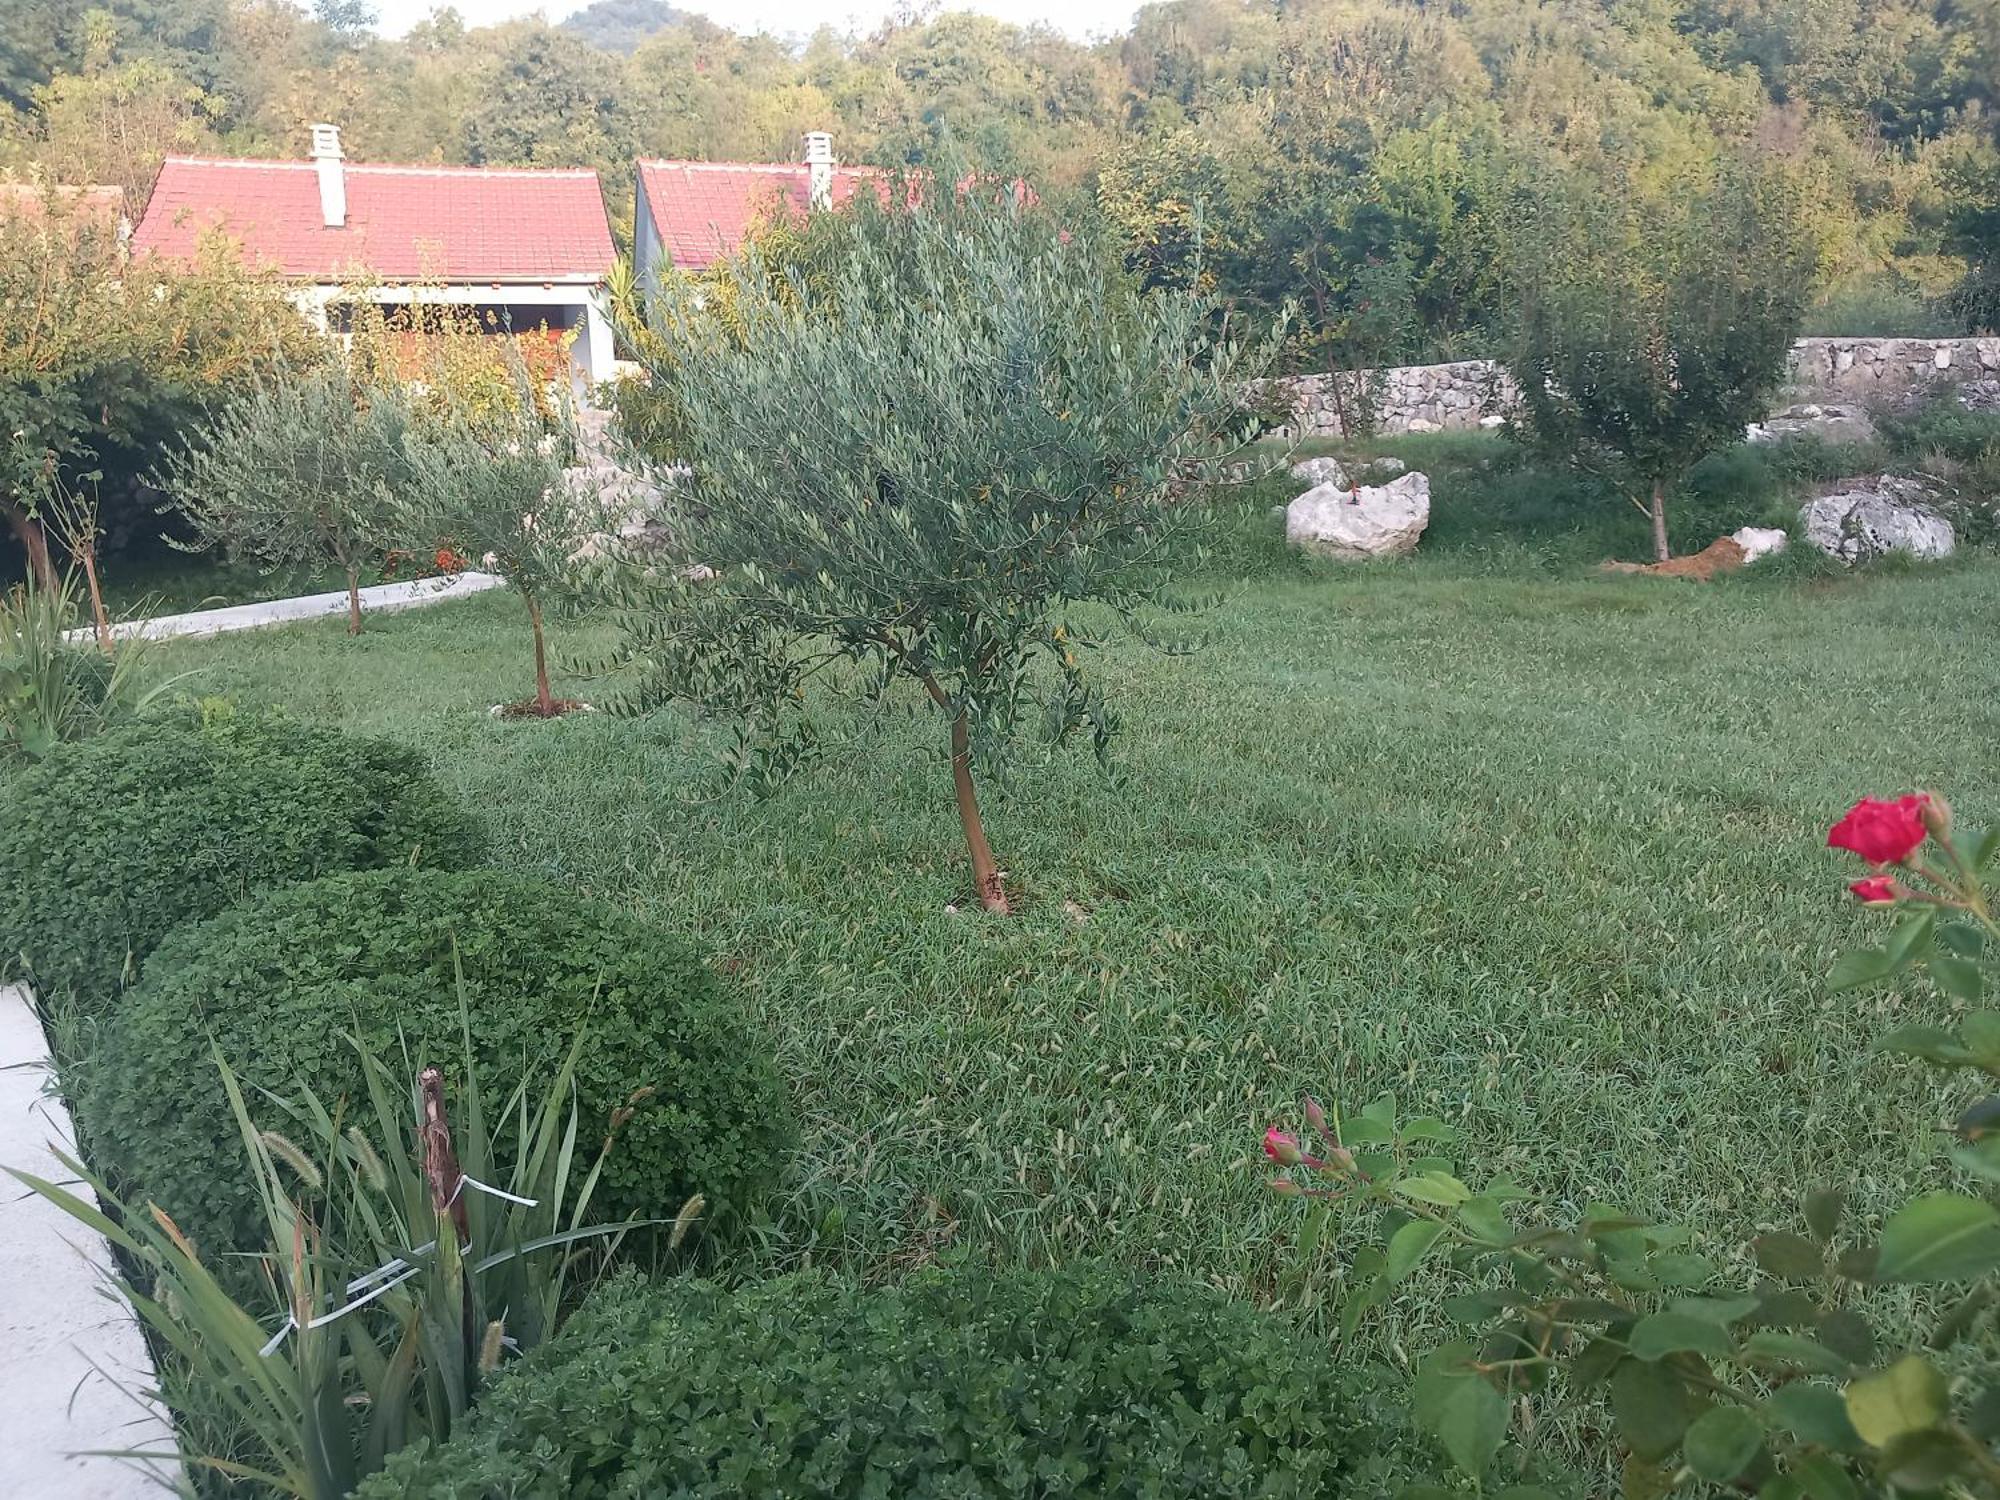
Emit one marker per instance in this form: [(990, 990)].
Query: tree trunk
[(353, 601), (97, 611), (34, 541), (1660, 549), (545, 703), (985, 874)]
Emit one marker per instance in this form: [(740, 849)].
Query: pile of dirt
[(1723, 555)]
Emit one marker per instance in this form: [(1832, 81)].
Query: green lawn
[(1538, 850)]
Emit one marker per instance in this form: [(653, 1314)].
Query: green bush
[(962, 1384), (111, 842), (1941, 426), (282, 982), (1882, 307), (1959, 452)]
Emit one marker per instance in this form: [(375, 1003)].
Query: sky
[(1081, 19)]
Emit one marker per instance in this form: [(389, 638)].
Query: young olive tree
[(306, 471), (1653, 327), (910, 475), (495, 490)]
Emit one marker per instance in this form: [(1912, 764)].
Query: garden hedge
[(1086, 1381), (283, 980), (111, 842)]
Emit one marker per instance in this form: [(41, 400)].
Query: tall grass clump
[(416, 1240), (54, 690)]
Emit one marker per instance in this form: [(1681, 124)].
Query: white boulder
[(1372, 521), (1318, 471), (1870, 517), (1759, 541)]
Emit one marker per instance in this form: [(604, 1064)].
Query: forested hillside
[(1362, 156)]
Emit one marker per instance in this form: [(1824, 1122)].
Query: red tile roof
[(455, 224), (703, 210)]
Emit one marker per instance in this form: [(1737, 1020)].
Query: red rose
[(1883, 833), (1876, 890), (1280, 1147)]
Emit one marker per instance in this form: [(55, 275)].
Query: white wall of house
[(648, 254), (577, 304)]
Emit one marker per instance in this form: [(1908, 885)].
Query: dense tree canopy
[(1354, 154), (101, 362)]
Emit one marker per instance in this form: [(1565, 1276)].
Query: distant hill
[(621, 25)]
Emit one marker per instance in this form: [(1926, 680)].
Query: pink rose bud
[(1315, 1116), (1937, 816), (1281, 1148), (1284, 1187), (1877, 890)]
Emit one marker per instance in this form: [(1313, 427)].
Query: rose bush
[(1790, 1387)]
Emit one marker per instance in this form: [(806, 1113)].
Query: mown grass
[(1539, 850)]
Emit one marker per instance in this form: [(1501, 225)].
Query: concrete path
[(62, 1341), (375, 599)]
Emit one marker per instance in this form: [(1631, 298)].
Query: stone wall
[(1433, 398), (1886, 372), (1408, 398)]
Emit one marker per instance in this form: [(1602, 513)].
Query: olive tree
[(306, 471), (909, 475), (496, 489), (1653, 326)]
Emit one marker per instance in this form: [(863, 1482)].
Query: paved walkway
[(374, 600), (62, 1341)]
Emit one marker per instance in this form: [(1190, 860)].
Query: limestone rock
[(1759, 541), (1868, 517), (1373, 521), (1319, 471), (1980, 395), (1386, 467), (1830, 424)]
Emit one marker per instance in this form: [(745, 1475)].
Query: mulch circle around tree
[(531, 708)]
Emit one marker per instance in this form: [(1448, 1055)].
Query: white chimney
[(332, 176), (819, 169)]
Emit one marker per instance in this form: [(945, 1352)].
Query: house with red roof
[(524, 249), (691, 214)]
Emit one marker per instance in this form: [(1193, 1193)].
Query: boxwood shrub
[(110, 842), (1085, 1381), (282, 981)]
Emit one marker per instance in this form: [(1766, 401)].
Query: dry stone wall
[(1887, 372), (1433, 398)]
